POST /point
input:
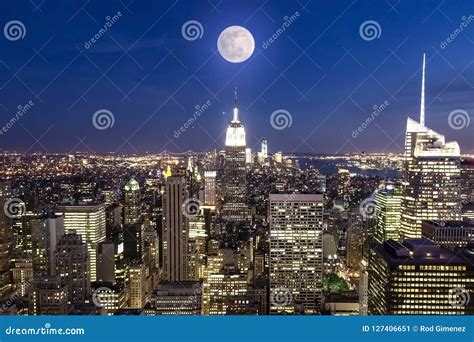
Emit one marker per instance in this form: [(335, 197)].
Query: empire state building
[(234, 207)]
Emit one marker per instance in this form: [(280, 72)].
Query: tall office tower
[(106, 262), (176, 298), (210, 188), (132, 206), (48, 296), (45, 234), (418, 277), (467, 180), (234, 207), (363, 288), (6, 229), (432, 175), (296, 251), (449, 234), (198, 234), (89, 222), (175, 229), (133, 241), (387, 214), (136, 285), (264, 150), (72, 267), (358, 229)]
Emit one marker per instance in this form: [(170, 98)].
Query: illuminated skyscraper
[(72, 267), (89, 222), (175, 229), (296, 252), (234, 207), (210, 189), (432, 175), (387, 214), (418, 277), (6, 229), (132, 202)]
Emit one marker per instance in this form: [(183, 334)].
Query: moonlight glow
[(236, 44)]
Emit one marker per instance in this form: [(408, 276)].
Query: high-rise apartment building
[(72, 266)]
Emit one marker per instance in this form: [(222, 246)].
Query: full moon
[(236, 44)]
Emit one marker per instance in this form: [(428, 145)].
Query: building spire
[(236, 108), (422, 106)]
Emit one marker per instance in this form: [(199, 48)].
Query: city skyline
[(245, 221), (328, 76)]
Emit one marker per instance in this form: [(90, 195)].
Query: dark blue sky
[(320, 70)]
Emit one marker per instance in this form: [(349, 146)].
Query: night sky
[(150, 78)]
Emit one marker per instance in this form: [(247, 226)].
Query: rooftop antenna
[(422, 106)]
